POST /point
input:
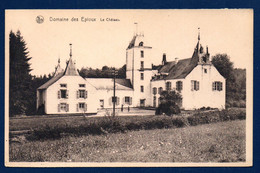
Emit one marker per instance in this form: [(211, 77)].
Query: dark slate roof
[(132, 43), (69, 71), (181, 69), (51, 81), (124, 82), (108, 83)]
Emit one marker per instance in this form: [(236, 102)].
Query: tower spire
[(70, 50), (199, 34), (136, 28)]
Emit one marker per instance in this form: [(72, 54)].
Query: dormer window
[(141, 44), (63, 85), (82, 85)]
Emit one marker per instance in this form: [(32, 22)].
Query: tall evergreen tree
[(20, 78)]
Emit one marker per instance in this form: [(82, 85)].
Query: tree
[(20, 78), (224, 65), (235, 79), (169, 103)]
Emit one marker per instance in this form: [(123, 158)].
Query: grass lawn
[(217, 142)]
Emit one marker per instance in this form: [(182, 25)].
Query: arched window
[(154, 90), (141, 43), (160, 90)]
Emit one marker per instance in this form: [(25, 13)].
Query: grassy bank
[(218, 142)]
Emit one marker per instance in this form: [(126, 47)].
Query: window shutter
[(220, 86), (86, 94), (86, 107), (67, 108), (123, 100), (67, 94), (58, 107), (59, 94), (130, 101), (212, 86), (77, 94), (192, 85), (117, 101), (77, 106), (198, 85)]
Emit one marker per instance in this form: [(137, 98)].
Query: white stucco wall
[(106, 95), (133, 72), (205, 96), (72, 82)]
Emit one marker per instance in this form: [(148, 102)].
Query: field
[(216, 142)]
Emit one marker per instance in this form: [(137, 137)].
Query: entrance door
[(101, 103), (142, 103)]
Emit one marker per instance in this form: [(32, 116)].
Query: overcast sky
[(98, 43)]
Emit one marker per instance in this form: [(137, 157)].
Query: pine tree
[(20, 78)]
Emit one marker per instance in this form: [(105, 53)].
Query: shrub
[(104, 125)]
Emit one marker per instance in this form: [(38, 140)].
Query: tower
[(139, 69)]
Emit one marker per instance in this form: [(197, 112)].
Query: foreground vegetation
[(218, 142), (42, 129)]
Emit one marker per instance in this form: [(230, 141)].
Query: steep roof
[(132, 43), (51, 81), (71, 68), (108, 83), (181, 69)]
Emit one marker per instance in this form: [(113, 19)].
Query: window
[(82, 85), (195, 85), (81, 107), (217, 86), (142, 65), (142, 88), (160, 90), (128, 100), (179, 85), (205, 70), (154, 90), (63, 85), (142, 76), (101, 102), (142, 53), (116, 100), (63, 94), (63, 107), (82, 94), (141, 43), (168, 86)]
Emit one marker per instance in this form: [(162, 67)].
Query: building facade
[(195, 78)]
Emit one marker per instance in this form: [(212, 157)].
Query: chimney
[(176, 60), (164, 61)]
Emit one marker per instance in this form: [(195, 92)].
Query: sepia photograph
[(127, 88)]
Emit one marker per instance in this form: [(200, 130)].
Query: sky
[(98, 43)]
